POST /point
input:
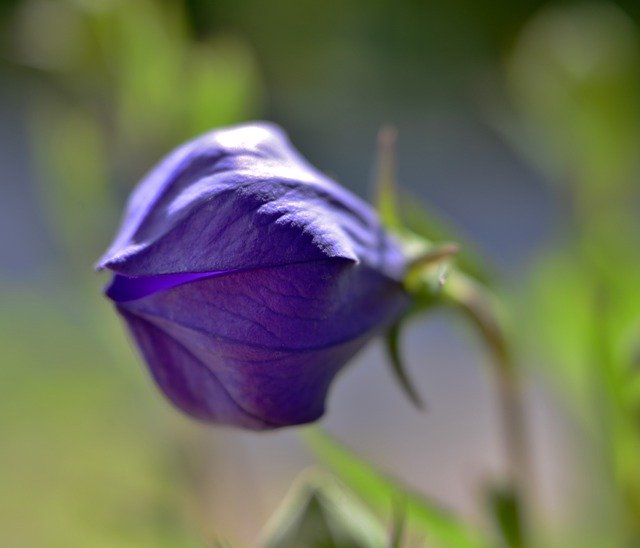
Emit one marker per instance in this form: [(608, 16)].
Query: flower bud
[(248, 279)]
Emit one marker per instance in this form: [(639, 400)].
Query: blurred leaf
[(398, 526), (504, 508), (72, 162), (221, 85), (320, 512), (561, 306), (574, 82), (558, 307), (221, 543), (152, 84), (583, 308), (49, 35), (146, 42), (139, 84), (382, 493)]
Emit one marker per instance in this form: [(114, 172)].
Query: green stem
[(479, 306)]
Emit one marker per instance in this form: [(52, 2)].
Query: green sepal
[(385, 184), (426, 224), (392, 341), (425, 277)]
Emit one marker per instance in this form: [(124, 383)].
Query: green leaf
[(222, 84), (319, 511), (505, 509), (580, 111), (382, 493), (398, 527), (220, 542)]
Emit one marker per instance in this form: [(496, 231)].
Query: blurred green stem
[(479, 306)]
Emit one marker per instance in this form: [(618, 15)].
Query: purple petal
[(269, 340), (126, 288), (239, 385), (244, 198), (290, 307)]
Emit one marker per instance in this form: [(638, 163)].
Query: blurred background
[(519, 127)]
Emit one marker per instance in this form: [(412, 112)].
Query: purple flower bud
[(249, 279)]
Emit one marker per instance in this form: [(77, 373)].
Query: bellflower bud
[(248, 278)]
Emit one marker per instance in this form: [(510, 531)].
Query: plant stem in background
[(480, 307)]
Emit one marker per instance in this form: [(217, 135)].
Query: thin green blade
[(393, 350), (381, 493)]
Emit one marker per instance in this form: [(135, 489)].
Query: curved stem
[(479, 306)]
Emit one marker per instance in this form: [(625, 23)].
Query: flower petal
[(235, 384), (262, 344), (291, 307), (126, 288), (244, 198)]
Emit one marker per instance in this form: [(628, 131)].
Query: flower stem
[(479, 305)]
